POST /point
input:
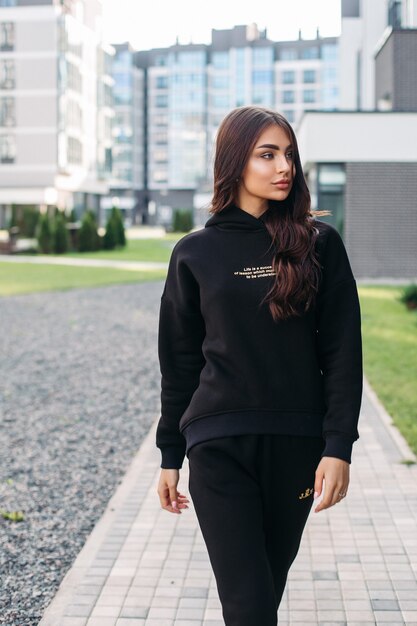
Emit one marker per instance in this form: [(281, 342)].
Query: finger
[(174, 498), (318, 483)]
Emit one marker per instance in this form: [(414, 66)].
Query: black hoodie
[(228, 368)]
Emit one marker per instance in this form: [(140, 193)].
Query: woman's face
[(271, 161)]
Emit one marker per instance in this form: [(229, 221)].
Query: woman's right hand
[(171, 499)]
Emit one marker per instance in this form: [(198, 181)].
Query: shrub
[(88, 237), (44, 233), (61, 240), (409, 296), (26, 218), (120, 229), (115, 230), (183, 220), (110, 236)]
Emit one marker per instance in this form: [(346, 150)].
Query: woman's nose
[(282, 164)]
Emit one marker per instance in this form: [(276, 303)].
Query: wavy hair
[(290, 222)]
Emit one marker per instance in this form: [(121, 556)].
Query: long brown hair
[(290, 222)]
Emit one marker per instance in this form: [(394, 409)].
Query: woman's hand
[(336, 474), (171, 499)]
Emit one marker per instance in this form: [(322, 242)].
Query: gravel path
[(79, 389)]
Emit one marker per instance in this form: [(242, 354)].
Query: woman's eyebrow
[(272, 145)]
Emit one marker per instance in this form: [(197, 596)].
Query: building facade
[(55, 105), (190, 88), (128, 137)]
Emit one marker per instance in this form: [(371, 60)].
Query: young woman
[(261, 360)]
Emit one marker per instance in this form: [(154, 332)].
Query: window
[(8, 3), (160, 176), (288, 96), (330, 52), (74, 150), (220, 82), (160, 138), (312, 52), (262, 77), (289, 115), (309, 95), (7, 149), (161, 60), (309, 76), (194, 58), (288, 54), (161, 82), (262, 56), (220, 102), (161, 100), (6, 36), (7, 112), (288, 76), (7, 74), (220, 60)]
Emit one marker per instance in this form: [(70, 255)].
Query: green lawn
[(157, 250), (390, 355), (16, 278)]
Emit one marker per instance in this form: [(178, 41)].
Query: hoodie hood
[(234, 218)]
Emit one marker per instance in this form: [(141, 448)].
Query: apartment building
[(128, 136), (56, 96), (190, 88)]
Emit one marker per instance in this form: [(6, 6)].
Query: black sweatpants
[(252, 495)]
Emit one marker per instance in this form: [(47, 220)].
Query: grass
[(19, 278), (156, 250), (389, 333)]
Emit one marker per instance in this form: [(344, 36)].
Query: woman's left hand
[(335, 472)]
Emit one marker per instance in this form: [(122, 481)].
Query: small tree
[(110, 236), (44, 233), (87, 236), (183, 220), (61, 240), (119, 226)]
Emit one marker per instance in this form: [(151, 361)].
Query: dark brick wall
[(395, 70), (380, 230), (405, 73)]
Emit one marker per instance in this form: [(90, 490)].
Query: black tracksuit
[(239, 391)]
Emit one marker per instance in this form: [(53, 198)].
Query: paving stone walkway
[(357, 563)]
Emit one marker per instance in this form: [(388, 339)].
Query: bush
[(120, 229), (110, 236), (44, 233), (115, 230), (88, 237), (61, 239), (183, 220), (26, 218), (409, 296)]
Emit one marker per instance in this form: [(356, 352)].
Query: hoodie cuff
[(172, 457), (339, 447)]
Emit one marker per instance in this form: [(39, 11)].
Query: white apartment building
[(55, 105)]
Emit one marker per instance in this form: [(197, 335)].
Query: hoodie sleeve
[(180, 337), (339, 342)]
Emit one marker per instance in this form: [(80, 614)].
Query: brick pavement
[(357, 563)]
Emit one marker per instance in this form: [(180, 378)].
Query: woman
[(261, 361)]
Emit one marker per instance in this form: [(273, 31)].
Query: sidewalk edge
[(388, 422), (80, 565)]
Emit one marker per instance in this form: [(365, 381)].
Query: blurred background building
[(56, 93)]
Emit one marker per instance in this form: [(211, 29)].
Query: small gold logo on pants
[(306, 493)]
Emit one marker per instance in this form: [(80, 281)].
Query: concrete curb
[(387, 421), (55, 610)]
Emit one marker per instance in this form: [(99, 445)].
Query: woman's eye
[(290, 153), (268, 154)]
